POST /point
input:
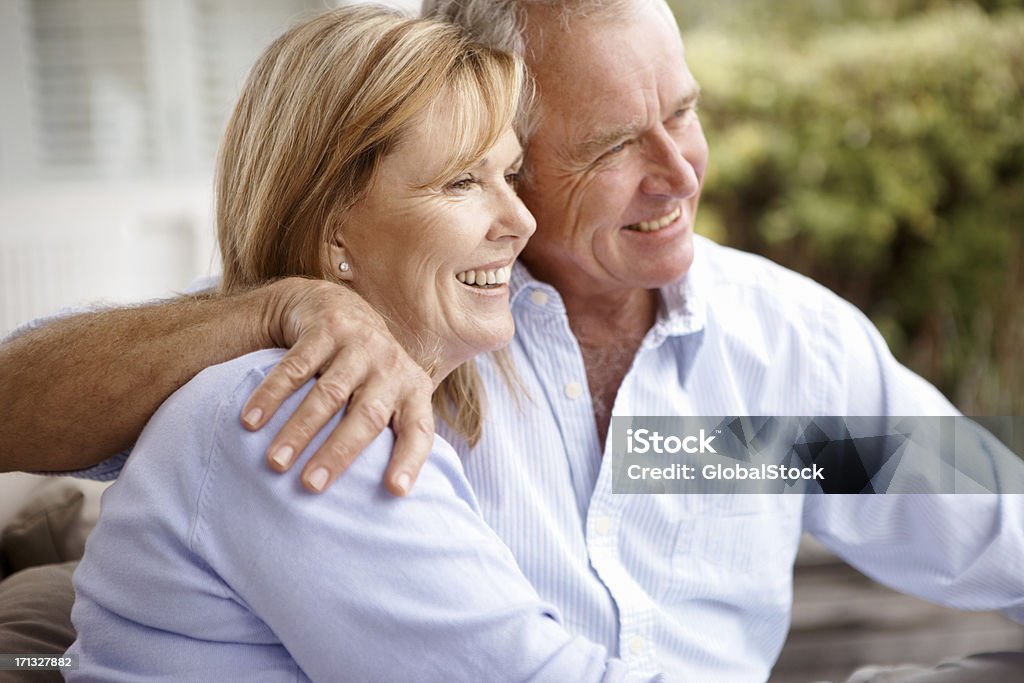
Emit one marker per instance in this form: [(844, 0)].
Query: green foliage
[(886, 160), (807, 17)]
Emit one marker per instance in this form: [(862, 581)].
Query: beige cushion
[(35, 616), (50, 529)]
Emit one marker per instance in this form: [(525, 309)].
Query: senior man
[(620, 310)]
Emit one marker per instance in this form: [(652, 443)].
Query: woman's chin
[(487, 339)]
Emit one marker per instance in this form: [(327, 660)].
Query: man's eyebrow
[(689, 99), (601, 140)]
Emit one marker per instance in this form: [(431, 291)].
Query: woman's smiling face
[(434, 257)]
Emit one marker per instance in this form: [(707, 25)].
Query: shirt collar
[(682, 310), (520, 282)]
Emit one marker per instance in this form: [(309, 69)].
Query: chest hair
[(607, 366)]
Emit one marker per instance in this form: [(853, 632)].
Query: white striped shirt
[(699, 587)]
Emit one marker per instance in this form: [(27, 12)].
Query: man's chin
[(667, 270)]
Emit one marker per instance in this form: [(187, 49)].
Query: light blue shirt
[(700, 586), (205, 566), (697, 587)]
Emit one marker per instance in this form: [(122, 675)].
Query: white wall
[(69, 244), (106, 168)]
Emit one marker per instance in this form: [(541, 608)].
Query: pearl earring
[(343, 266)]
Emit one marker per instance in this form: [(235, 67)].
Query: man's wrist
[(264, 309)]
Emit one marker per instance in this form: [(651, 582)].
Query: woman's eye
[(512, 179), (462, 184)]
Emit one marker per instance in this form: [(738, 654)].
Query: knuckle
[(333, 322), (425, 426), (295, 369), (375, 414), (338, 452), (301, 430), (333, 392), (359, 356), (324, 341), (414, 423)]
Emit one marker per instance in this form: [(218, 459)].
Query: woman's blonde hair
[(320, 110)]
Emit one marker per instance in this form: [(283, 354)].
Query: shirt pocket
[(739, 549)]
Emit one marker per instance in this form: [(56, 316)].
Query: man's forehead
[(597, 68), (597, 50), (604, 81)]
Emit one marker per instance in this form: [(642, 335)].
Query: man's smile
[(657, 223)]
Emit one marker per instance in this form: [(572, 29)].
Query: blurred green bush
[(885, 159)]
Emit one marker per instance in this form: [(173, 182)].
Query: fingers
[(302, 361), (414, 438), (383, 398), (333, 331), (327, 397), (363, 422)]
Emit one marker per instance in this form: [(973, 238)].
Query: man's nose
[(670, 173)]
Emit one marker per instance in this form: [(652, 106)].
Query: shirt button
[(538, 297), (573, 390), (602, 525), (637, 644)]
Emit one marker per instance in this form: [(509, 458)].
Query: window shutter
[(89, 93)]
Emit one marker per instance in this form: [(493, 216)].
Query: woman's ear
[(337, 253)]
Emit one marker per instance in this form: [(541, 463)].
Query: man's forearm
[(79, 390)]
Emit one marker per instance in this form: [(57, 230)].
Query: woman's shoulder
[(178, 443), (225, 382), (222, 460), (217, 396), (209, 404)]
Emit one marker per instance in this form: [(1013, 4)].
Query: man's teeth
[(484, 278), (651, 226)]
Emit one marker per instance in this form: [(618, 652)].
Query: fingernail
[(283, 455), (252, 418), (317, 479), (402, 482)]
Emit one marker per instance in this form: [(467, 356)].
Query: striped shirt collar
[(682, 307)]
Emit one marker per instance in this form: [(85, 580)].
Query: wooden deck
[(843, 620)]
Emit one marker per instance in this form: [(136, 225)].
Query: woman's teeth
[(485, 278), (651, 226)]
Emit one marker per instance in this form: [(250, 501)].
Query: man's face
[(617, 161)]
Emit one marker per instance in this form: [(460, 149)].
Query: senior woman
[(377, 151)]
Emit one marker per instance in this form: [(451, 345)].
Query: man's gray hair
[(501, 24), (498, 24)]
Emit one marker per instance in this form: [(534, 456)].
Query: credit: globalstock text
[(722, 472), (646, 441)]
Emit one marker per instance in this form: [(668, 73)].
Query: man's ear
[(338, 254)]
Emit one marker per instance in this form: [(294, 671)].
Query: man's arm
[(963, 550), (79, 390)]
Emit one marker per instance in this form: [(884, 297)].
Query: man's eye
[(685, 111), (614, 150)]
